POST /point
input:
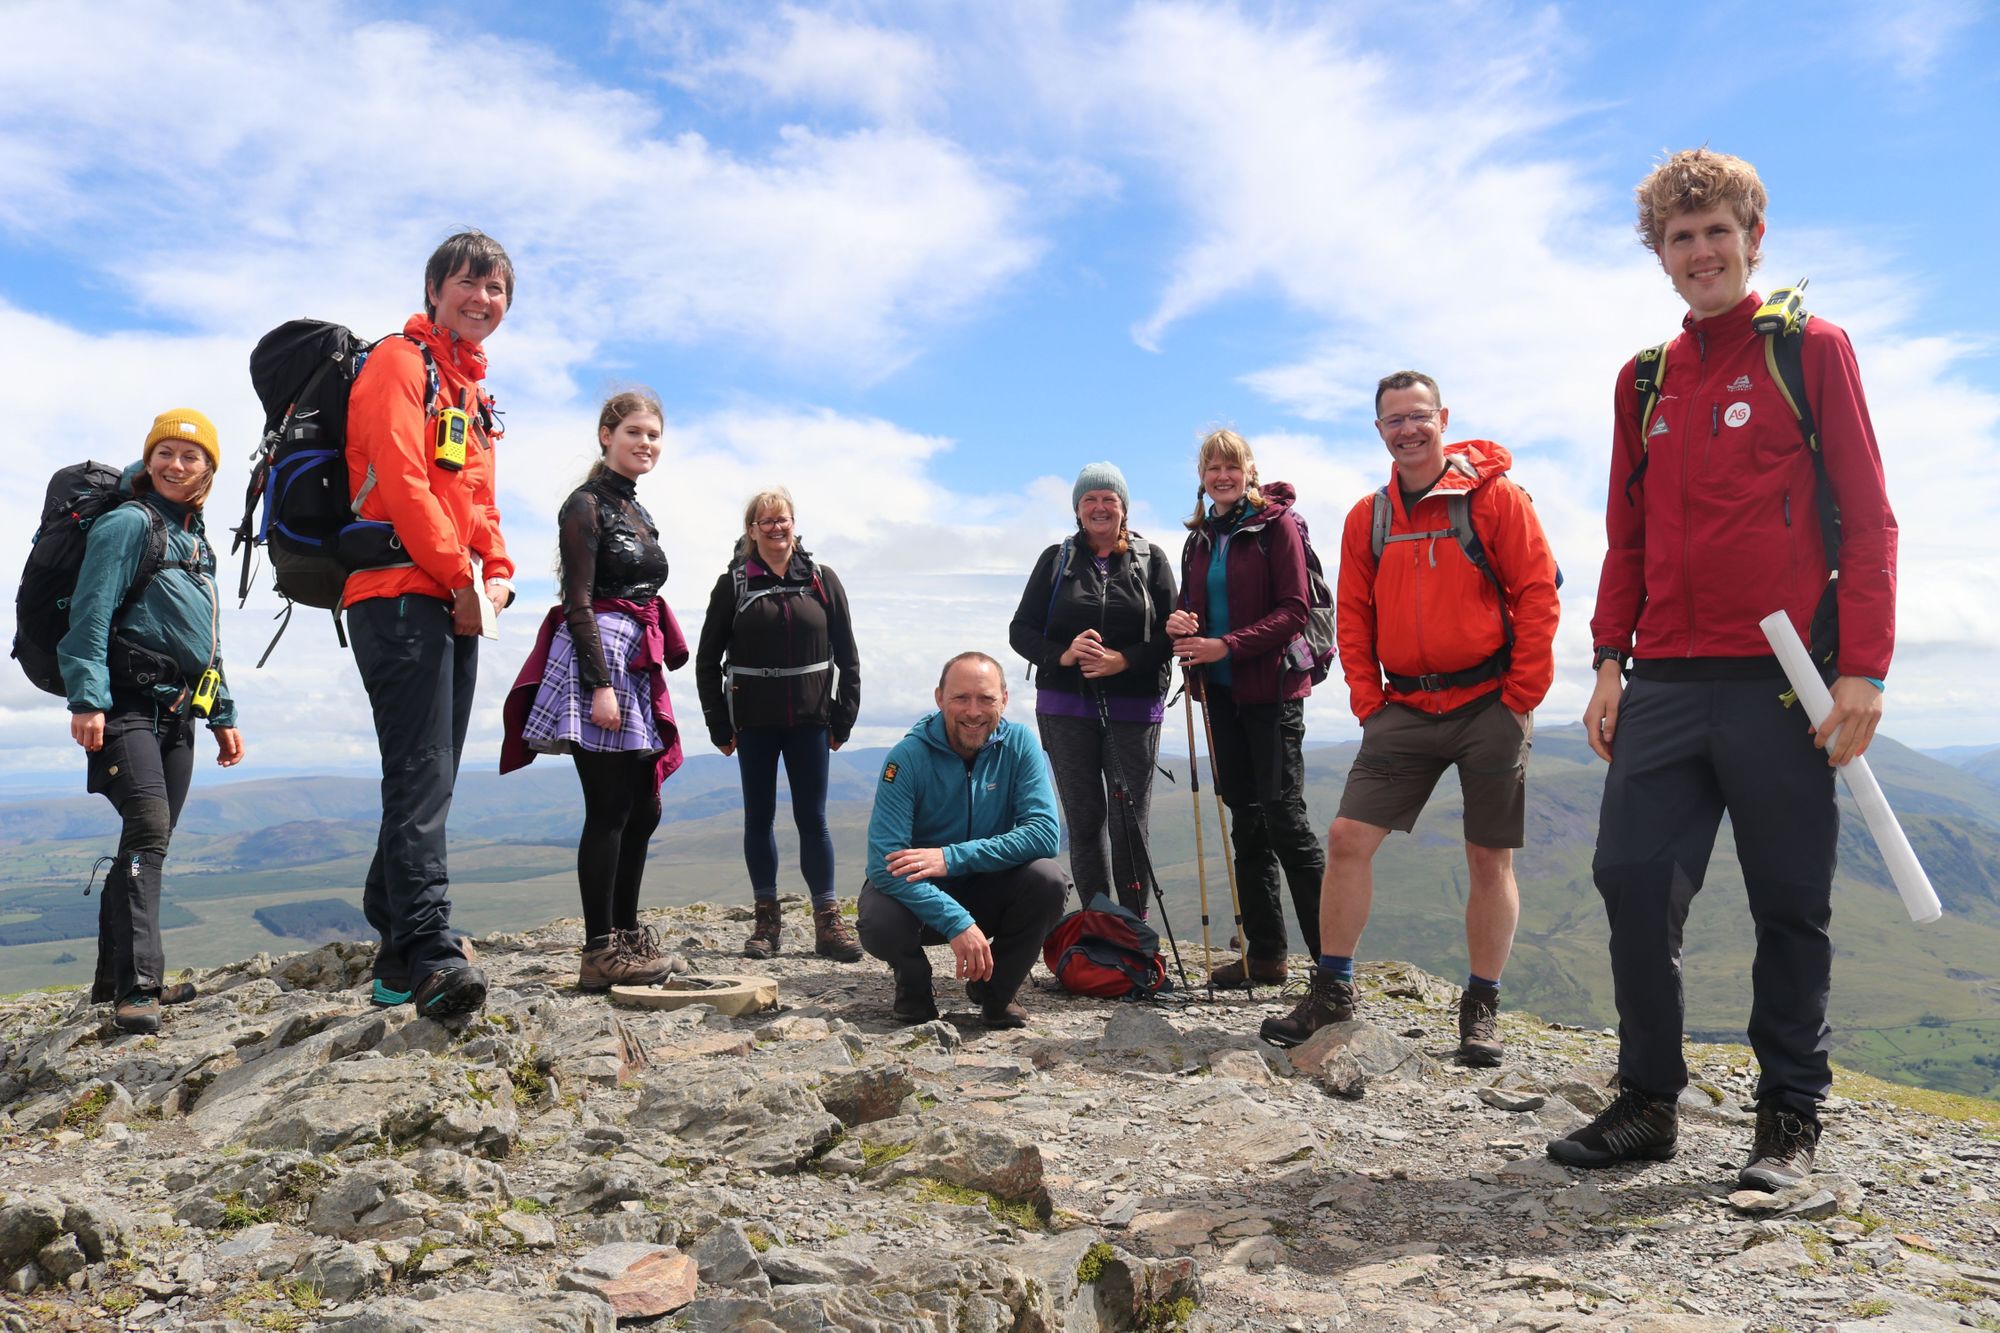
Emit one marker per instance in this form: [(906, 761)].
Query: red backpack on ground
[(1107, 951)]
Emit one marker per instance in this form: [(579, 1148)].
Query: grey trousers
[(1103, 833)]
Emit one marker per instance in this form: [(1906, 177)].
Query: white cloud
[(1908, 37), (797, 56), (236, 208)]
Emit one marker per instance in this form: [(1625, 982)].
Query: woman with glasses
[(1093, 622), (780, 680), (1244, 600), (594, 688)]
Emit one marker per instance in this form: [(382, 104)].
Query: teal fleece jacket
[(179, 614), (998, 813)]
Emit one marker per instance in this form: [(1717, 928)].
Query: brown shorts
[(1404, 752)]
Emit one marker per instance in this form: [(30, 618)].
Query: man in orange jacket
[(420, 467), (1445, 663)]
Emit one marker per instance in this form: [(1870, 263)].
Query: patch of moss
[(237, 1214), (304, 1294), (83, 1112), (875, 1154), (529, 1206), (932, 1190), (1869, 1309), (759, 1239), (1095, 1259), (1161, 1316), (834, 1231), (119, 1299), (530, 1084), (480, 1093)]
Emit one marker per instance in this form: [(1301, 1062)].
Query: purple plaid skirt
[(559, 722)]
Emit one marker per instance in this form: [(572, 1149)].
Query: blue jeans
[(805, 751)]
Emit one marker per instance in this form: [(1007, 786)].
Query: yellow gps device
[(452, 427), (1782, 311), (205, 690)]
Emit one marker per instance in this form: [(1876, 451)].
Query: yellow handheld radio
[(1782, 311), (453, 425), (205, 690)]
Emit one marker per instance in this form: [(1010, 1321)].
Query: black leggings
[(619, 816), (143, 770)]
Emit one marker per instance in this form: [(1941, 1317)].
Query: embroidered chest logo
[(1659, 428), (1736, 414), (1741, 383)]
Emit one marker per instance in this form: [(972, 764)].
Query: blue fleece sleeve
[(111, 556), (891, 826), (1035, 832)]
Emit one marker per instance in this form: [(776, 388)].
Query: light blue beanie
[(1099, 477)]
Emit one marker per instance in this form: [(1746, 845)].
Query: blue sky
[(920, 262)]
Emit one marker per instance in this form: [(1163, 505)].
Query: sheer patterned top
[(610, 551)]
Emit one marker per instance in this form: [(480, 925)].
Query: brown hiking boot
[(1782, 1152), (137, 1012), (1479, 1027), (609, 961), (642, 942), (1238, 974), (1330, 999), (181, 992), (831, 937), (764, 941), (993, 1014)]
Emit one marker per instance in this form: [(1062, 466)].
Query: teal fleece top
[(998, 813), (179, 614)]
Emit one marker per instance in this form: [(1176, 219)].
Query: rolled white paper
[(1919, 899)]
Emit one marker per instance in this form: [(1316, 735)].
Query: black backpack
[(302, 372), (78, 496)]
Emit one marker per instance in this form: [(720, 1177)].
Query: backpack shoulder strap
[(1055, 584), (152, 558), (1378, 528), (1784, 357), (1649, 372)]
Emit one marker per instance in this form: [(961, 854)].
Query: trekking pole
[(1228, 861), (1135, 846), (1200, 856)]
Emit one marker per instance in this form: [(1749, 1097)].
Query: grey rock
[(1380, 1053), (1341, 1075), (102, 1230), (373, 1199), (869, 1093), (453, 1175), (1506, 1099), (647, 1228), (61, 1258), (25, 1226), (529, 1231), (726, 1257), (249, 1241), (980, 1157), (759, 1122), (344, 1272), (640, 1281), (789, 1267), (486, 1312), (601, 1187), (409, 1100)]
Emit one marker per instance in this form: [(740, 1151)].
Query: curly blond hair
[(1693, 181)]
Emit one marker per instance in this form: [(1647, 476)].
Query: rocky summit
[(282, 1155)]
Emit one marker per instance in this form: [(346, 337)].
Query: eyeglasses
[(1413, 418), (773, 524)]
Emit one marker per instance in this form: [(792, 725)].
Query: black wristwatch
[(1607, 654)]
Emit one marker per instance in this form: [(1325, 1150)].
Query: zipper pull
[(1714, 419)]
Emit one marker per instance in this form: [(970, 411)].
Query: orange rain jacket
[(1426, 610), (442, 518)]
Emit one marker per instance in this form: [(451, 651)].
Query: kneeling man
[(961, 848)]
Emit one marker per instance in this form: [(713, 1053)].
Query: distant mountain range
[(1917, 1003)]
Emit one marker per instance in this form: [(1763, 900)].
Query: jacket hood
[(447, 346), (1469, 464), (930, 730)]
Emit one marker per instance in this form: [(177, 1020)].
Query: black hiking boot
[(450, 990), (1781, 1154), (1637, 1126), (914, 1002), (1329, 999), (766, 935), (1479, 1027)]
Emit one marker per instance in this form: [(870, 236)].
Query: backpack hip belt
[(774, 673)]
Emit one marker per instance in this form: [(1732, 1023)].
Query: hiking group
[(1744, 471)]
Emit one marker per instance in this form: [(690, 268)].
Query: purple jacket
[(1267, 597)]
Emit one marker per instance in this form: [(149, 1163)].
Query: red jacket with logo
[(1425, 609), (1723, 527), (442, 518)]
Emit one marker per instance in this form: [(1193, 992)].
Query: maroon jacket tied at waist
[(662, 648)]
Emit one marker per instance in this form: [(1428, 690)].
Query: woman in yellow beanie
[(141, 661)]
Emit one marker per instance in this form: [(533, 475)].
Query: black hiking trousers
[(1260, 774), (1015, 909), (419, 677), (1685, 752), (143, 770)]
